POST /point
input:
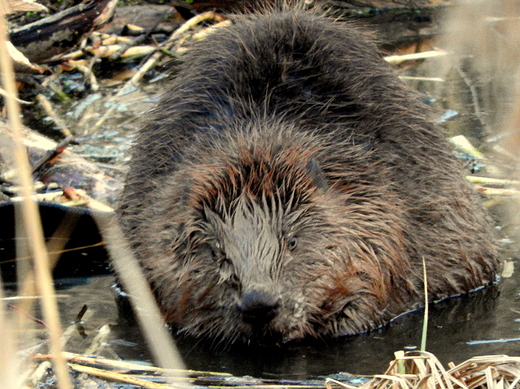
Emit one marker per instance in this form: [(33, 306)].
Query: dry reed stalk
[(105, 363), (30, 211), (129, 271)]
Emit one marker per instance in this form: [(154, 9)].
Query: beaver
[(289, 186)]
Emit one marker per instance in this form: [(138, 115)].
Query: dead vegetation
[(409, 370)]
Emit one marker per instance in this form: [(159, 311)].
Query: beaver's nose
[(259, 307)]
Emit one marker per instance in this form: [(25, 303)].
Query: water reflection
[(486, 314)]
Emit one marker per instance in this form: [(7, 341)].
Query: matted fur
[(288, 185)]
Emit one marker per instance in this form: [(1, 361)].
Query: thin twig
[(47, 107), (397, 59)]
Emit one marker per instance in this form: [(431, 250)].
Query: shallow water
[(485, 322)]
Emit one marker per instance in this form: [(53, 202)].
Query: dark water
[(484, 322)]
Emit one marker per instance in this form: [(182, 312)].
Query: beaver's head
[(270, 244)]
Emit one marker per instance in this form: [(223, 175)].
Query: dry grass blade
[(393, 381), (119, 377), (416, 370), (330, 381), (128, 366), (492, 371)]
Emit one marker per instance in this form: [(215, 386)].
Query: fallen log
[(58, 33)]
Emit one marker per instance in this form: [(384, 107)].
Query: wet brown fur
[(284, 130)]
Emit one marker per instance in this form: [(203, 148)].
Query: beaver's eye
[(214, 252), (292, 243), (217, 254)]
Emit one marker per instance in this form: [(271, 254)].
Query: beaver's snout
[(259, 307)]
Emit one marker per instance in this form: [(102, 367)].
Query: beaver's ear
[(210, 216), (213, 218), (319, 179)]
